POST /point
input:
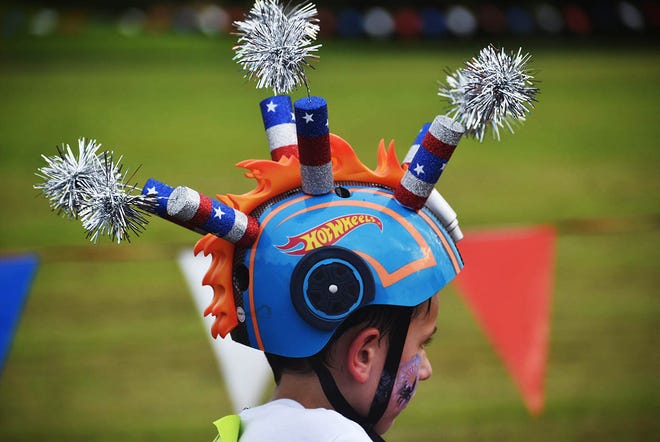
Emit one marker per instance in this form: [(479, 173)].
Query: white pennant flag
[(245, 370)]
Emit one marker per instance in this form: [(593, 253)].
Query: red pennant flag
[(507, 282)]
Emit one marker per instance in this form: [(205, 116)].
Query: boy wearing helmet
[(337, 283), (355, 359)]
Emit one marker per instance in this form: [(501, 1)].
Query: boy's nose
[(425, 370)]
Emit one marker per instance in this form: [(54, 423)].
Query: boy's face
[(414, 366)]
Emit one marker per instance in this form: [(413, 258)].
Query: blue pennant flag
[(15, 277)]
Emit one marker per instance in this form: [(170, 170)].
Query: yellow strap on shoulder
[(229, 428)]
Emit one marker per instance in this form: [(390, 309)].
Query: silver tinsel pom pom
[(66, 176), (494, 89), (275, 44), (112, 208), (93, 187)]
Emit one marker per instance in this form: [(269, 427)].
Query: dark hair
[(382, 317)]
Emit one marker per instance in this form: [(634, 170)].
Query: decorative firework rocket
[(198, 212), (274, 47), (93, 188), (494, 89), (280, 124), (428, 162)]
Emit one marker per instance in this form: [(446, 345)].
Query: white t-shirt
[(285, 420)]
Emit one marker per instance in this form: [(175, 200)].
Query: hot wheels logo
[(327, 234)]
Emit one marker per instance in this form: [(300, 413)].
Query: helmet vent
[(342, 192), (332, 288), (241, 277)]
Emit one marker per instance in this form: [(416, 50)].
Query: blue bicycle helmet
[(316, 258)]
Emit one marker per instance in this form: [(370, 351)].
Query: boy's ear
[(362, 354)]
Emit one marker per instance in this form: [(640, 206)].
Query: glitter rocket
[(314, 145), (274, 47), (435, 202), (429, 162), (279, 122), (199, 212)]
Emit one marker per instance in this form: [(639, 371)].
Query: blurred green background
[(110, 346)]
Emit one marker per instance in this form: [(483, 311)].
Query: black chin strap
[(385, 385), (339, 403)]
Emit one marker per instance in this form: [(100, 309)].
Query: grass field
[(110, 346)]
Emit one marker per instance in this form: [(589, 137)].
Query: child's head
[(355, 357), (382, 318)]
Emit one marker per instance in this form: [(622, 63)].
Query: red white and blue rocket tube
[(428, 163), (314, 145), (279, 122), (202, 214), (436, 202)]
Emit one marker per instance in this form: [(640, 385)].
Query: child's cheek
[(406, 383)]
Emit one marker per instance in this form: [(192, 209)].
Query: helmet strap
[(385, 385), (393, 359)]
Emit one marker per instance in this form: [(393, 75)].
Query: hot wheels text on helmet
[(327, 233)]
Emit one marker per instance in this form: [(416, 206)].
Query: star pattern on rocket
[(279, 122)]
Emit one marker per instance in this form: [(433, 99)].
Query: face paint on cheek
[(406, 383)]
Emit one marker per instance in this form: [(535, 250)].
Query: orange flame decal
[(328, 233)]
